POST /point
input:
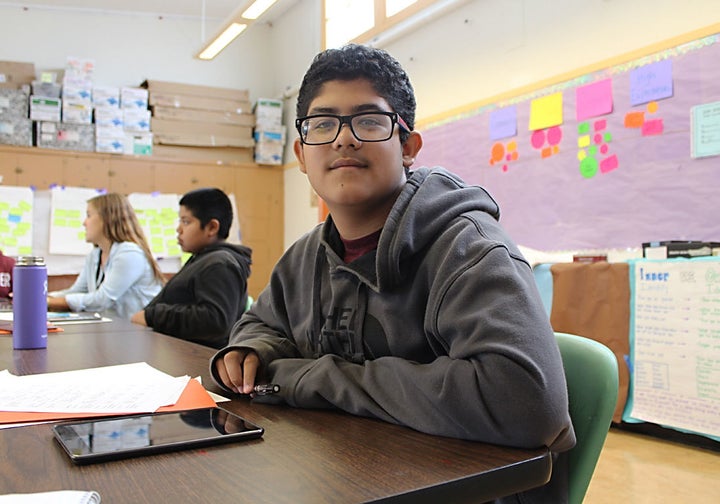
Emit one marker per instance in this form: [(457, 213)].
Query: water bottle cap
[(30, 261)]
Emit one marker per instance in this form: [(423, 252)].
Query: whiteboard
[(675, 344)]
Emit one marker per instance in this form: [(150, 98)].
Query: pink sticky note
[(652, 127), (593, 99), (608, 164)]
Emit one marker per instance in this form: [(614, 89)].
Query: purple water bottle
[(29, 303)]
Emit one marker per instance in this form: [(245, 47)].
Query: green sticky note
[(25, 251), (583, 128)]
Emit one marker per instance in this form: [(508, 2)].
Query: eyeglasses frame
[(346, 119)]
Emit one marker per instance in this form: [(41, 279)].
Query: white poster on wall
[(16, 219), (68, 206), (158, 215), (675, 344)]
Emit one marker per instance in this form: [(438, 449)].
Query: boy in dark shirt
[(206, 297)]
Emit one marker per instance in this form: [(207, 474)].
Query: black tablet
[(100, 440)]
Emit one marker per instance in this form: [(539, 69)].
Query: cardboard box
[(218, 155), (15, 74), (208, 116), (109, 122), (133, 98), (192, 128), (200, 102), (44, 108), (79, 69), (268, 113), (106, 96), (270, 145), (75, 137), (78, 112), (139, 144), (137, 120), (16, 131), (13, 103), (162, 87), (49, 89), (77, 93), (110, 145)]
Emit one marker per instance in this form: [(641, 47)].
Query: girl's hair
[(120, 224)]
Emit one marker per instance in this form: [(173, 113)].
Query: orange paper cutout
[(194, 396)]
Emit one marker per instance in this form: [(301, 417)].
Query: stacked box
[(48, 89), (187, 133), (136, 120), (15, 127), (65, 136), (15, 74), (76, 95), (270, 133), (189, 115), (13, 103), (133, 98), (109, 121), (268, 113), (138, 144), (45, 108), (105, 96), (270, 145)]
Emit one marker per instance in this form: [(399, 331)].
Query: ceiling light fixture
[(233, 26)]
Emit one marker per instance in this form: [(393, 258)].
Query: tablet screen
[(112, 438)]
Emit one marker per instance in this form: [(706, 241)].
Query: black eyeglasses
[(366, 126)]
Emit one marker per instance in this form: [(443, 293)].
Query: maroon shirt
[(360, 247), (6, 267)]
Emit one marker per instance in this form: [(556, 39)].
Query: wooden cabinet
[(258, 189)]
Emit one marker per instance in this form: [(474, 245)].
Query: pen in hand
[(266, 389)]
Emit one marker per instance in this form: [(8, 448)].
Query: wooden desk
[(305, 456)]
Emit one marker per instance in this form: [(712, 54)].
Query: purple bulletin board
[(608, 163)]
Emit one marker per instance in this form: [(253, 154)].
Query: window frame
[(382, 22)]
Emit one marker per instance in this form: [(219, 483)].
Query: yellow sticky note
[(546, 112), (584, 141)]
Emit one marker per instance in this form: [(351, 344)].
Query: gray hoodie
[(440, 329)]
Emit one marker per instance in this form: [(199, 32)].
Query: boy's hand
[(238, 370)]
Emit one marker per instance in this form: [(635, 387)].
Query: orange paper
[(193, 397)]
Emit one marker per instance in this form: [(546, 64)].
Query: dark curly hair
[(354, 61)]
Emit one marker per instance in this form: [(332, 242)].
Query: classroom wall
[(485, 48), (128, 49), (478, 50)]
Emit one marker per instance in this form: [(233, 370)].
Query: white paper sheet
[(127, 388)]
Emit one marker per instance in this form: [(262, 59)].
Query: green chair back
[(592, 380)]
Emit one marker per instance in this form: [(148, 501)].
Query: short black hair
[(207, 204), (354, 61)]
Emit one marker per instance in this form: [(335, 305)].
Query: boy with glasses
[(409, 303)]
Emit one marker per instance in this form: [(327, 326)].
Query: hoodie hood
[(431, 199), (241, 253)]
